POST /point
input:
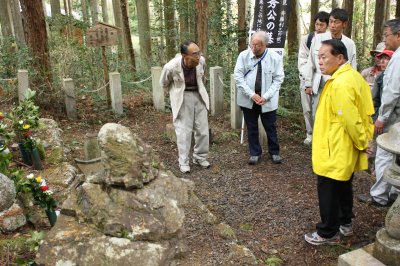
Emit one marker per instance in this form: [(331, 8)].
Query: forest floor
[(270, 207)]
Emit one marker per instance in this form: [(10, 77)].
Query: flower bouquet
[(41, 194)]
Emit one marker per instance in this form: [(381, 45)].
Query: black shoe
[(370, 201), (276, 159), (254, 160)]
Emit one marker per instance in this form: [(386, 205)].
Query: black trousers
[(268, 120), (335, 205)]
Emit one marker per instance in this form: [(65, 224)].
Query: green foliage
[(290, 89), (273, 261), (16, 251)]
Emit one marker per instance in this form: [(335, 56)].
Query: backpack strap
[(309, 39)]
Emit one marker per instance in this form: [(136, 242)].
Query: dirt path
[(270, 207)]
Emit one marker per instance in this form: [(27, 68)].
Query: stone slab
[(358, 257)]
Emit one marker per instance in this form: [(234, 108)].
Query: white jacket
[(173, 81), (272, 78), (312, 71)]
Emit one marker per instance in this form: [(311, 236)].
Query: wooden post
[(216, 90), (70, 101), (236, 114), (116, 95), (23, 84), (106, 76), (158, 91)]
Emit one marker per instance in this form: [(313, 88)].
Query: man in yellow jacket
[(342, 130)]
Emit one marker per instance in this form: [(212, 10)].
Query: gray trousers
[(307, 111), (192, 117), (381, 191)]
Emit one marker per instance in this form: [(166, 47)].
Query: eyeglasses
[(387, 35), (196, 54), (255, 46)]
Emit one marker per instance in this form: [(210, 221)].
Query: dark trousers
[(268, 120), (335, 205)]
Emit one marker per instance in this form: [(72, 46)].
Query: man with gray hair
[(259, 74), (389, 112)]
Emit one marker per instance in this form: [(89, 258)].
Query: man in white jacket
[(182, 77), (321, 21), (314, 80), (259, 74)]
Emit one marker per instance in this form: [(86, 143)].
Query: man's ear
[(341, 58)]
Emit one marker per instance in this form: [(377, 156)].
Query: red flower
[(44, 188), (27, 134)]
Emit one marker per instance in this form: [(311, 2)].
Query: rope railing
[(96, 90), (137, 82), (9, 79), (220, 79)]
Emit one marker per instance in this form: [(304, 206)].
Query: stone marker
[(262, 135), (91, 147), (216, 90), (116, 95), (236, 113), (70, 101), (23, 83), (158, 91)]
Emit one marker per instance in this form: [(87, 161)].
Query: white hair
[(262, 35)]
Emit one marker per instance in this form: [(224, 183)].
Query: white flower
[(43, 182), (30, 176), (21, 122), (48, 192)]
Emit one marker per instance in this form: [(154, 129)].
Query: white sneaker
[(184, 168), (203, 163), (308, 140)]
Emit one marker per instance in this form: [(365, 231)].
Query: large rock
[(50, 135), (7, 192), (12, 218), (128, 213)]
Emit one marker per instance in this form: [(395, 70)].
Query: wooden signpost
[(102, 35)]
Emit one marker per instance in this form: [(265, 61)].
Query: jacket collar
[(343, 68)]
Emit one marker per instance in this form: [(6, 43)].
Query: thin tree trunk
[(127, 33), (94, 11), (55, 7), (17, 23), (378, 22), (365, 22), (242, 34), (202, 25), (397, 9), (387, 9), (293, 34), (349, 6), (69, 2), (314, 11), (104, 10), (85, 15), (183, 12), (36, 39), (5, 20), (169, 20), (142, 8), (118, 23), (65, 7)]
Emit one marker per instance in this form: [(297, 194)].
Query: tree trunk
[(65, 7), (336, 4), (183, 11), (104, 10), (242, 33), (142, 9), (118, 23), (349, 6), (17, 23), (127, 33), (365, 22), (397, 9), (169, 20), (378, 22), (214, 32), (94, 11), (69, 2), (85, 15), (36, 39), (314, 11), (55, 7), (293, 33), (387, 9), (5, 20), (202, 25)]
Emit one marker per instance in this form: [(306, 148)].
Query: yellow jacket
[(343, 126)]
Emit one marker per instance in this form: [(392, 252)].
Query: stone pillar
[(23, 84), (158, 91), (91, 147), (116, 95), (70, 101), (236, 113), (262, 135), (216, 90)]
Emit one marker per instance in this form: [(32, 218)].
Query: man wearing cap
[(371, 73), (389, 111)]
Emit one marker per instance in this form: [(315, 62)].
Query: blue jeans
[(268, 120)]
